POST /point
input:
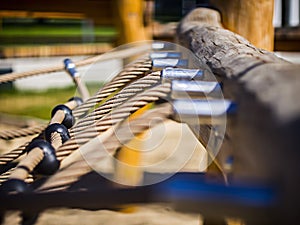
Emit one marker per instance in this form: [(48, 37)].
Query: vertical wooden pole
[(253, 19), (128, 171), (129, 20), (148, 17)]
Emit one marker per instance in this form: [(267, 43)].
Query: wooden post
[(127, 170), (253, 19), (129, 21), (265, 130)]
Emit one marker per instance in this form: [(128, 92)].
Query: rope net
[(100, 117)]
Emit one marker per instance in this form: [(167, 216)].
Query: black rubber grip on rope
[(69, 119)]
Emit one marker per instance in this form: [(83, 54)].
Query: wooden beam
[(100, 11), (265, 131), (27, 14), (129, 21), (253, 19), (54, 50)]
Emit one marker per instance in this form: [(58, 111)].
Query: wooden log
[(265, 131), (129, 21), (253, 19)]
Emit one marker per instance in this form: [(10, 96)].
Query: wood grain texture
[(253, 19), (129, 21), (227, 54), (265, 131), (99, 11)]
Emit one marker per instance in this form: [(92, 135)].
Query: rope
[(55, 140), (15, 76), (111, 140), (111, 55), (136, 69), (126, 93), (16, 153), (13, 154), (126, 76), (16, 133), (115, 116), (30, 161), (5, 176), (9, 157)]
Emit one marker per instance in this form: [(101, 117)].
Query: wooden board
[(100, 11), (54, 50)]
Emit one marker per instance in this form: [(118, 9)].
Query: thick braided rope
[(124, 53), (13, 154), (16, 133), (15, 76), (139, 68), (129, 91), (16, 153), (94, 151), (126, 76), (56, 142), (122, 80), (5, 176), (111, 55), (115, 116), (9, 157)]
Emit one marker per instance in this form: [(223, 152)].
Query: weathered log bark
[(265, 130), (227, 54)]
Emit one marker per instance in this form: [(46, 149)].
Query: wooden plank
[(13, 14), (287, 39), (54, 50), (253, 19), (27, 14), (265, 131), (100, 11)]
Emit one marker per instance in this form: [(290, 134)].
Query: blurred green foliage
[(37, 104)]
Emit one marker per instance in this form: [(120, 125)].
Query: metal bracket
[(163, 55), (195, 89), (203, 111), (170, 73), (159, 64)]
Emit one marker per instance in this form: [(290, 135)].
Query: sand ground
[(169, 140)]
